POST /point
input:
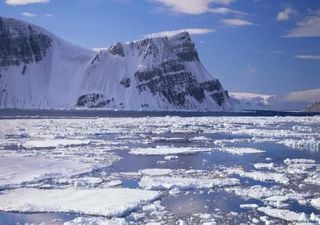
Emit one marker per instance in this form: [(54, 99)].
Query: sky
[(258, 46)]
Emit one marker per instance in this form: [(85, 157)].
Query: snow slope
[(39, 70)]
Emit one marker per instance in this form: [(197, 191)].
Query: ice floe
[(100, 202), (241, 150), (16, 169), (167, 150), (162, 183), (54, 143), (316, 202), (283, 214), (156, 172), (96, 221), (261, 176)]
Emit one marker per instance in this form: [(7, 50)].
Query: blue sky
[(261, 46)]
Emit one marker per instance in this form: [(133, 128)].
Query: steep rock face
[(155, 74), (20, 44), (39, 70)]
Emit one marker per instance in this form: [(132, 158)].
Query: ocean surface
[(250, 167)]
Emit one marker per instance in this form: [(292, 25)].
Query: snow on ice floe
[(165, 183), (167, 150), (241, 150), (261, 176), (96, 221), (54, 143), (300, 166), (110, 202), (156, 172), (268, 166), (283, 214), (16, 169), (316, 202)]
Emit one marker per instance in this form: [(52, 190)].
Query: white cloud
[(25, 2), (192, 31), (308, 57), (285, 14), (236, 22), (196, 7), (308, 27), (311, 96), (48, 15), (28, 14), (223, 2)]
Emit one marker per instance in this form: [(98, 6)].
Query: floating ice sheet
[(17, 169), (160, 183), (167, 150), (54, 143), (99, 202), (241, 150)]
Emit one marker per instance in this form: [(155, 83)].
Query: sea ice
[(263, 165), (241, 150), (156, 172), (16, 169), (261, 176), (283, 214), (100, 202), (163, 183), (96, 221), (54, 143), (167, 150), (316, 202)]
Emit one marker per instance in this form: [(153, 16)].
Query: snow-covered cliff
[(40, 70)]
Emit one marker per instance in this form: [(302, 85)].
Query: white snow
[(316, 202), (54, 143), (261, 176), (255, 192), (167, 150), (160, 183), (99, 202), (249, 206), (241, 150), (299, 166), (96, 221), (17, 169), (283, 214), (264, 165), (156, 172)]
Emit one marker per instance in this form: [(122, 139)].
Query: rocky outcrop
[(171, 81), (117, 49), (315, 107), (21, 44)]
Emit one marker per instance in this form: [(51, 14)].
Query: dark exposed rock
[(218, 97), (125, 82), (24, 69), (97, 58), (20, 44), (315, 107), (215, 88), (171, 81), (211, 85), (92, 100), (174, 83), (185, 48), (117, 49)]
